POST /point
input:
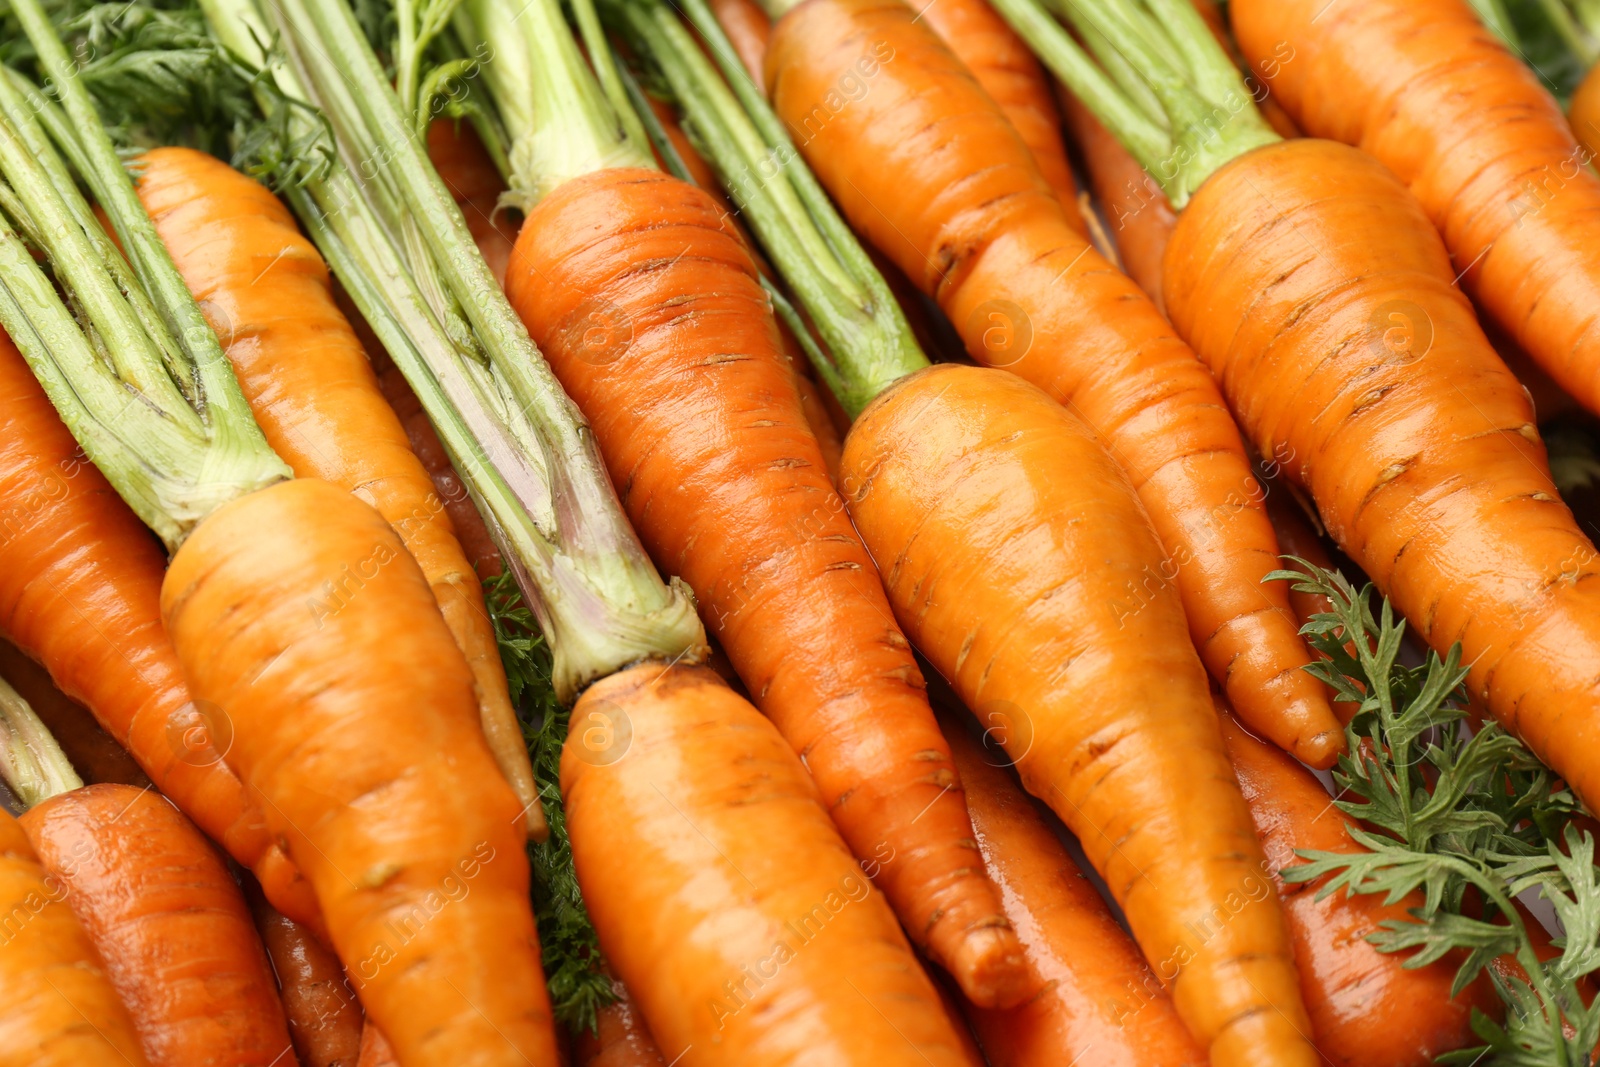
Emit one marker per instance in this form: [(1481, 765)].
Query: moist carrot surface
[(698, 418), (367, 753), (739, 951), (170, 924), (926, 167), (319, 1004), (1002, 527)]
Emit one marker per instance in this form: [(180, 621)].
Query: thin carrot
[(925, 165), (738, 952), (265, 290), (95, 754), (169, 922), (322, 1011), (468, 171), (1431, 92), (1368, 1008), (748, 27), (375, 1050), (80, 593), (1005, 531), (1101, 1004), (700, 423), (1012, 77), (621, 1037), (51, 980)]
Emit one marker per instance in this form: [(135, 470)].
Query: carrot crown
[(866, 342), (31, 761), (128, 359), (1158, 80)]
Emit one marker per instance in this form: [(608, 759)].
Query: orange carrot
[(80, 581), (1368, 1009), (748, 27), (925, 165), (375, 1050), (738, 952), (1004, 531), (170, 923), (1583, 112), (1433, 94), (323, 1014), (265, 291), (1007, 71), (367, 753), (697, 416), (473, 180), (1101, 1005), (61, 1009), (621, 1038), (92, 751), (1369, 334)]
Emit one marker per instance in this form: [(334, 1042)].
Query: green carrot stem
[(31, 761)]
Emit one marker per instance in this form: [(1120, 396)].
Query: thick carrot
[(924, 164), (1357, 362), (1431, 92), (1012, 77), (265, 290), (92, 751), (1101, 1004), (80, 581), (1004, 532), (171, 925), (60, 1008), (367, 752), (697, 416), (737, 951), (321, 1009), (621, 1037), (1367, 1008), (375, 1050)]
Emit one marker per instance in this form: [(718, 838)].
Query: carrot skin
[(375, 1050), (621, 1039), (1101, 1005), (367, 753), (266, 292), (1433, 94), (171, 925), (1420, 449), (80, 580), (701, 427), (94, 753), (51, 979), (1002, 526), (748, 29), (926, 166), (322, 1011), (468, 171), (754, 938), (1583, 112)]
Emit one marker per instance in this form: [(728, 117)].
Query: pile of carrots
[(937, 505)]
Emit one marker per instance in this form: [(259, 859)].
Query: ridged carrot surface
[(925, 165), (60, 1008), (319, 1004), (80, 582), (170, 924), (724, 896), (1431, 92), (697, 415), (366, 750), (1003, 529), (265, 290), (1322, 298)]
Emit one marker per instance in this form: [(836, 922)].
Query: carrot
[(61, 1009), (167, 919), (697, 415), (748, 27), (1013, 79), (80, 582), (1005, 531), (375, 1050), (1583, 112), (621, 1038), (412, 841), (1367, 1007), (1101, 1005), (94, 752), (321, 1009), (265, 291), (1433, 94), (738, 952), (926, 167), (467, 170)]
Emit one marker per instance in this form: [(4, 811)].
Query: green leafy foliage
[(567, 939), (1557, 38), (1467, 819)]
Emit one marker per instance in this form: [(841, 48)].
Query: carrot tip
[(991, 969)]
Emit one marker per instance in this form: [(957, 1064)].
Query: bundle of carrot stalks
[(491, 575)]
